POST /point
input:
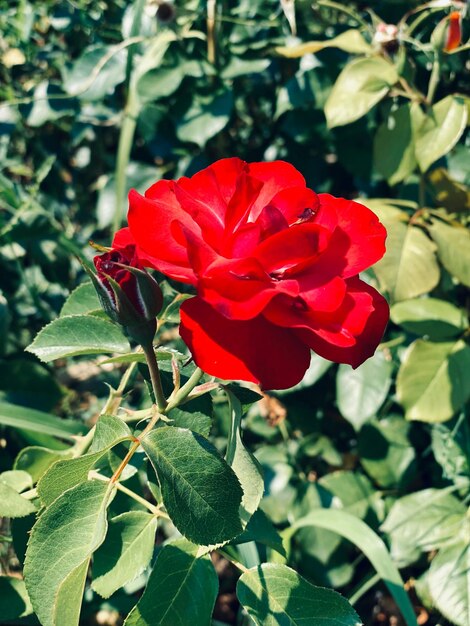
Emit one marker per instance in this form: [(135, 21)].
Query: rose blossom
[(274, 264)]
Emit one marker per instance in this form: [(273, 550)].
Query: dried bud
[(128, 294), (166, 12)]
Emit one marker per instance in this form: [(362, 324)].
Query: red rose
[(274, 264)]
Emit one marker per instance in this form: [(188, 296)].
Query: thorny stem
[(115, 395), (155, 377), (132, 450)]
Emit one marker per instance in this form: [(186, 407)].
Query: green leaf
[(359, 533), (394, 150), (205, 118), (36, 460), (423, 521), (386, 452), (14, 600), (195, 421), (200, 491), (65, 474), (38, 422), (429, 316), (125, 553), (181, 590), (59, 551), (12, 504), (17, 480), (409, 267), (355, 493), (161, 82), (451, 448), (350, 41), (96, 73), (261, 529), (109, 431), (453, 248), (359, 87), (81, 301), (46, 107), (432, 382), (243, 463), (361, 392), (275, 595), (440, 130), (449, 582), (77, 334)]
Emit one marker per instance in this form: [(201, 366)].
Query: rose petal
[(291, 250), (254, 350), (238, 289), (122, 239), (349, 334), (297, 204), (207, 194), (365, 234), (276, 176), (150, 222)]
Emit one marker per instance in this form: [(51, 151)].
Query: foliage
[(99, 97)]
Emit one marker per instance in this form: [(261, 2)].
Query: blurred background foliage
[(367, 100)]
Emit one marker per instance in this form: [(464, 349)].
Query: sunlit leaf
[(433, 380), (75, 335), (59, 551), (359, 87)]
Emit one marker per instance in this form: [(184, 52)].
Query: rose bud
[(454, 32), (386, 37), (128, 294), (447, 34)]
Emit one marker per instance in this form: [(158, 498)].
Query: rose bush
[(274, 264)]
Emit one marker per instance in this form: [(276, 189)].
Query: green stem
[(138, 8), (115, 395), (344, 9), (185, 390), (434, 78), (153, 509), (155, 377), (364, 588), (124, 153)]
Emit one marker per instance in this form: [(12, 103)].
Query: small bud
[(454, 32), (128, 294), (386, 37)]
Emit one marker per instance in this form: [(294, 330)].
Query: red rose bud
[(128, 294), (454, 32)]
